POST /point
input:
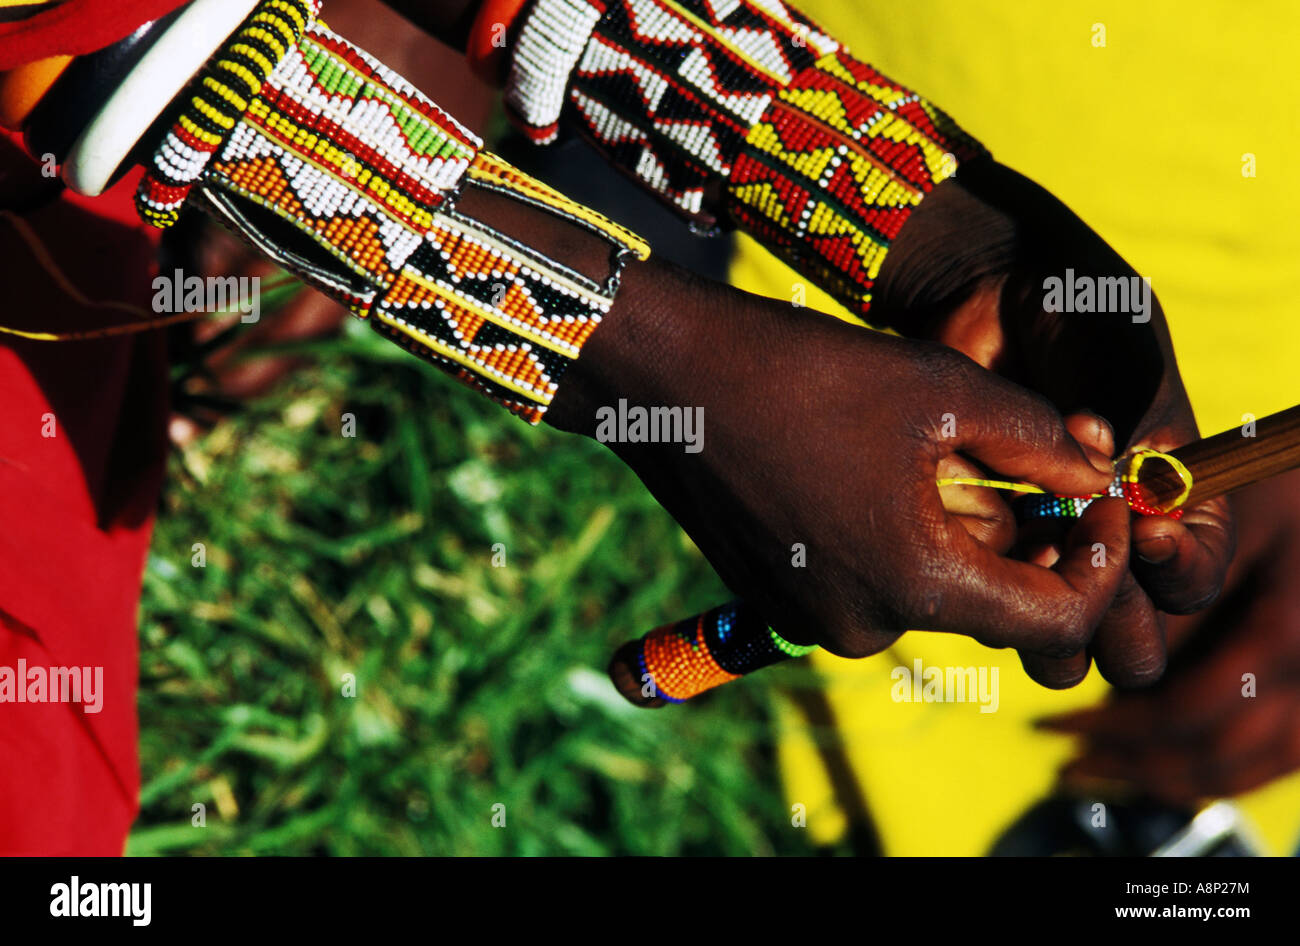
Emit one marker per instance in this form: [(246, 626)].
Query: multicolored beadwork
[(683, 660), (552, 39), (687, 658), (221, 94), (742, 110), (834, 168), (367, 173), (1125, 486)]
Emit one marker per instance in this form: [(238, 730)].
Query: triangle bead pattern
[(344, 173)]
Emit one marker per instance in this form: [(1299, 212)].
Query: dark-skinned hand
[(1199, 733), (831, 436), (969, 270)]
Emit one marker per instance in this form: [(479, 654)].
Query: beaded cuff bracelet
[(344, 173), (741, 110)]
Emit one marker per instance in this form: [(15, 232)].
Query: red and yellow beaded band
[(741, 111)]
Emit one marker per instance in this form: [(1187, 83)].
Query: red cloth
[(76, 508), (76, 27)]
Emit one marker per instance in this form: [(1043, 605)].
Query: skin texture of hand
[(831, 436), (969, 270), (1196, 734)]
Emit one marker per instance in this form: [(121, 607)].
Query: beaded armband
[(340, 170), (742, 110)]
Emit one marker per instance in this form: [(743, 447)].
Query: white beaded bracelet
[(549, 46), (156, 80)]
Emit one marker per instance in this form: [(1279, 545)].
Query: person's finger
[(1049, 612), (982, 511), (1092, 431), (1056, 673), (1022, 437), (1165, 780), (1180, 707), (1279, 757), (1187, 703), (1238, 754), (1182, 564), (1129, 646)]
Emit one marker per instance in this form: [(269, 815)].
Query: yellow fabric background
[(1144, 138)]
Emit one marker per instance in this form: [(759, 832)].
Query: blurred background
[(475, 685)]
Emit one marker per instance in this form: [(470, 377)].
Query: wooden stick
[(1226, 462)]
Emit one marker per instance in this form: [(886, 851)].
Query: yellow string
[(145, 322), (1133, 463), (47, 263), (991, 484)]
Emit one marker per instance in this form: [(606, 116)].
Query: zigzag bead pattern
[(743, 111), (291, 124), (829, 175)]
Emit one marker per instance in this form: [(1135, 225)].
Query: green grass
[(475, 685)]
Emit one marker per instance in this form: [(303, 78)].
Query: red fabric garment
[(76, 27), (77, 508)]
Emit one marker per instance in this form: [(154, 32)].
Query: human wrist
[(651, 349)]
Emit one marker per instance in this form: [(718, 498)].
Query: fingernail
[(1156, 551), (1100, 462), (1103, 427)]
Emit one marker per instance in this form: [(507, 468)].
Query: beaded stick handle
[(679, 661)]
